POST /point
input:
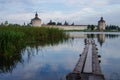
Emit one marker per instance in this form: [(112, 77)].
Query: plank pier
[(88, 65)]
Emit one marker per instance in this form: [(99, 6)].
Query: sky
[(80, 12)]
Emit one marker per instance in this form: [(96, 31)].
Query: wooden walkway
[(88, 62), (88, 65)]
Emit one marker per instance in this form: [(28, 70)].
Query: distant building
[(36, 21), (101, 24)]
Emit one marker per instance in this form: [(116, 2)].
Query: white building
[(36, 21)]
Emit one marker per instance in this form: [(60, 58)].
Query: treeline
[(112, 27), (108, 27), (60, 23), (6, 23)]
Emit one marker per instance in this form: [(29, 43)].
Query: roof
[(36, 17), (101, 20)]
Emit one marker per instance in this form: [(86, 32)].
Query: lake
[(54, 62)]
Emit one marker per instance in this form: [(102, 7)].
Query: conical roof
[(36, 17), (101, 20)]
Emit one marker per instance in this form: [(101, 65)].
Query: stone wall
[(78, 27)]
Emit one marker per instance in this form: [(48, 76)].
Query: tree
[(51, 23), (58, 23), (24, 24), (1, 24), (88, 27), (66, 23), (91, 27), (112, 27), (6, 23), (72, 24)]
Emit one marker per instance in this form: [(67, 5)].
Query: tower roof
[(36, 17), (101, 20)]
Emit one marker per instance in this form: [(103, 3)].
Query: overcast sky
[(77, 11)]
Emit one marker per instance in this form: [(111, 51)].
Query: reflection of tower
[(101, 24), (101, 38)]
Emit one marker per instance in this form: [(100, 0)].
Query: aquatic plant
[(14, 38)]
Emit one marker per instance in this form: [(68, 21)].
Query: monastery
[(37, 22)]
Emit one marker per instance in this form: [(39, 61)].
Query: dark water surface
[(54, 62)]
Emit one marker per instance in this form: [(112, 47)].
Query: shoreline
[(87, 31)]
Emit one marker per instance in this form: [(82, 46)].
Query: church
[(36, 21)]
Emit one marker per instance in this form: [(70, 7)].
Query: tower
[(101, 24)]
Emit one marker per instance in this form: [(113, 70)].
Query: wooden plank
[(96, 64), (88, 62), (79, 66)]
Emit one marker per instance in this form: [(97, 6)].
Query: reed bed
[(13, 38)]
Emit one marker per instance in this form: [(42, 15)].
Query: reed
[(13, 38)]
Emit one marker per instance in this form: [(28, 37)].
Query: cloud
[(84, 16), (80, 12), (113, 2), (88, 3)]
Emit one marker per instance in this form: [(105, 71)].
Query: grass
[(13, 39)]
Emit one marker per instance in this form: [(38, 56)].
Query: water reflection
[(9, 61), (54, 61), (101, 37), (112, 36)]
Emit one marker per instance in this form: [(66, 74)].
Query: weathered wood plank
[(88, 62), (95, 62), (79, 66)]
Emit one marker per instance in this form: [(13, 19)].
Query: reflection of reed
[(8, 63)]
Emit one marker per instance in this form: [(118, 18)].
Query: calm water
[(56, 61)]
